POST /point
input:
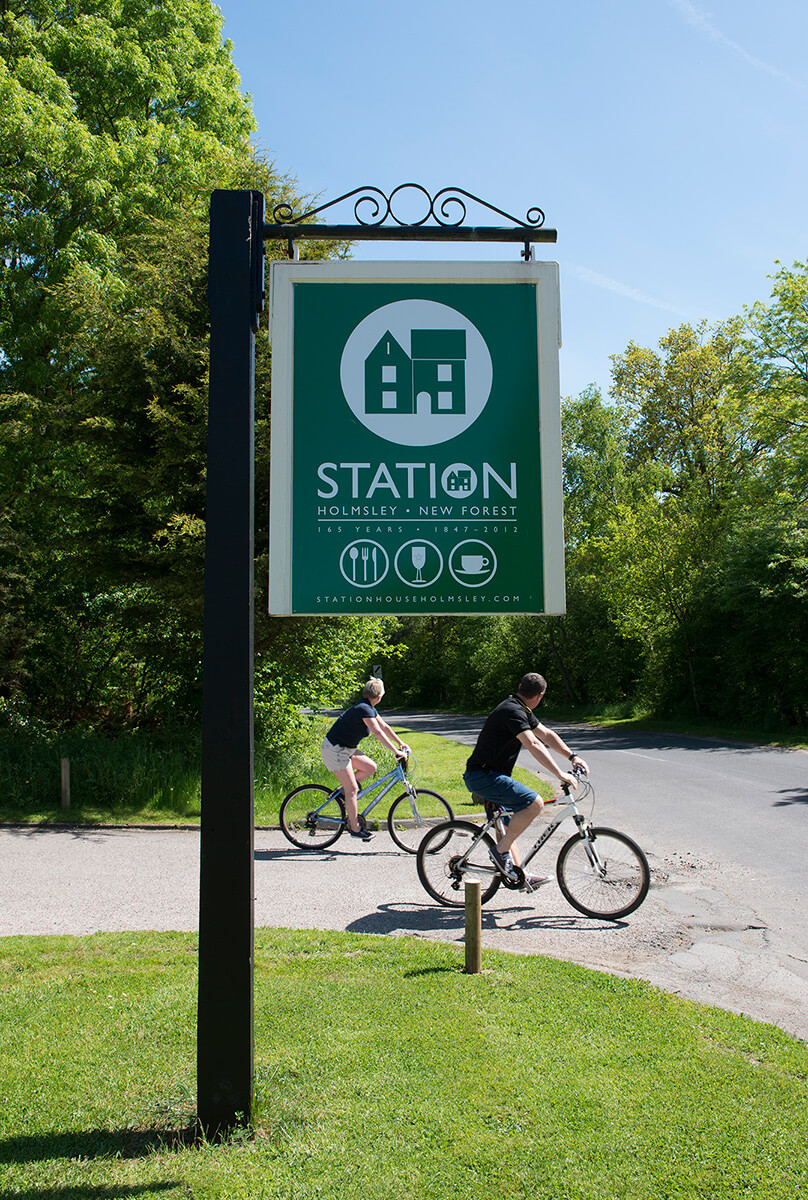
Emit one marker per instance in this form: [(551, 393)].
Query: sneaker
[(533, 882), (503, 861), (364, 834)]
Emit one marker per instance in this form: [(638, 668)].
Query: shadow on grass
[(94, 1143), (120, 1191), (446, 969)]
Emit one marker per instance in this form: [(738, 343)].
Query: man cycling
[(510, 726)]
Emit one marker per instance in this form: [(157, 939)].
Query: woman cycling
[(340, 754)]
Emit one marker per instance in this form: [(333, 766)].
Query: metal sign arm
[(372, 208)]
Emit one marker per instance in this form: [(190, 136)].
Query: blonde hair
[(374, 688)]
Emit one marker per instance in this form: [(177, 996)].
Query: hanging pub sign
[(416, 440)]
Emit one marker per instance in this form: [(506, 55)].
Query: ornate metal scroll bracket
[(372, 208)]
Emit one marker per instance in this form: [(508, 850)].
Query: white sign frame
[(284, 276)]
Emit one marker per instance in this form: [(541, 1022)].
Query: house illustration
[(433, 379), (458, 482)]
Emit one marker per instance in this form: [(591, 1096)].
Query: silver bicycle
[(601, 872), (313, 817)]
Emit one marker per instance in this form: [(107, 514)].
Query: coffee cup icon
[(473, 563)]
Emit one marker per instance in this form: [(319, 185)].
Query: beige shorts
[(336, 758)]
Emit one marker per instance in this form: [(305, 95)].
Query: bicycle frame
[(386, 783), (601, 872), (569, 810)]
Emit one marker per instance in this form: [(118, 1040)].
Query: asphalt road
[(725, 827)]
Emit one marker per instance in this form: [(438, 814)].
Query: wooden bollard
[(65, 783), (474, 927)]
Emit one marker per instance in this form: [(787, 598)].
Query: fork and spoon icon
[(367, 553)]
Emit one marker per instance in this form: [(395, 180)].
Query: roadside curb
[(96, 825)]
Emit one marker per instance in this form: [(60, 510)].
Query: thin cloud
[(700, 21), (622, 289)]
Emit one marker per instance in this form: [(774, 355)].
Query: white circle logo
[(473, 563), (416, 372)]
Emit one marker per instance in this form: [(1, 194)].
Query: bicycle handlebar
[(579, 773)]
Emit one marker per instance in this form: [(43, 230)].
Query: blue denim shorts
[(510, 793)]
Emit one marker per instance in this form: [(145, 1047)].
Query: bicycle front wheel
[(411, 817), (447, 857), (311, 817), (608, 878)]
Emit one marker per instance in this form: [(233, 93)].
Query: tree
[(595, 464), (114, 110), (592, 651), (121, 117), (779, 382), (693, 431), (688, 416), (754, 622), (116, 113)]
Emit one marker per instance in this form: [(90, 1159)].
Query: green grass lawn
[(384, 1071), (439, 766)]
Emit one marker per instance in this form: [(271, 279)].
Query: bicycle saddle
[(494, 809)]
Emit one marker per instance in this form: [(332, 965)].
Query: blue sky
[(665, 140)]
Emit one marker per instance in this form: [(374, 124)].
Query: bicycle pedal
[(534, 882)]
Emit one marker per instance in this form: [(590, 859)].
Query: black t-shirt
[(350, 728), (498, 745)]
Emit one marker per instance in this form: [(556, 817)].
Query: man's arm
[(543, 756), (551, 738)]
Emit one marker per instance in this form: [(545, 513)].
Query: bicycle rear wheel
[(410, 818), (311, 817), (614, 885), (446, 859)]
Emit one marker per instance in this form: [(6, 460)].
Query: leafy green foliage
[(123, 117)]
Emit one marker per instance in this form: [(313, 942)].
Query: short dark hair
[(532, 685)]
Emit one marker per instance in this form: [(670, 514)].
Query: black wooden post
[(226, 938)]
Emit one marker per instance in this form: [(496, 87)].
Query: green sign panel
[(416, 445)]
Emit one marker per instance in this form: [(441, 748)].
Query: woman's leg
[(358, 770)]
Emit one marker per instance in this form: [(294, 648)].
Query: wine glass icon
[(418, 561)]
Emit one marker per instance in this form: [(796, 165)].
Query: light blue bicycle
[(312, 817)]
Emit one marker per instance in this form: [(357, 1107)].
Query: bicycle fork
[(595, 862)]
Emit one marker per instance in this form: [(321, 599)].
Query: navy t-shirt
[(350, 728), (498, 745)]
